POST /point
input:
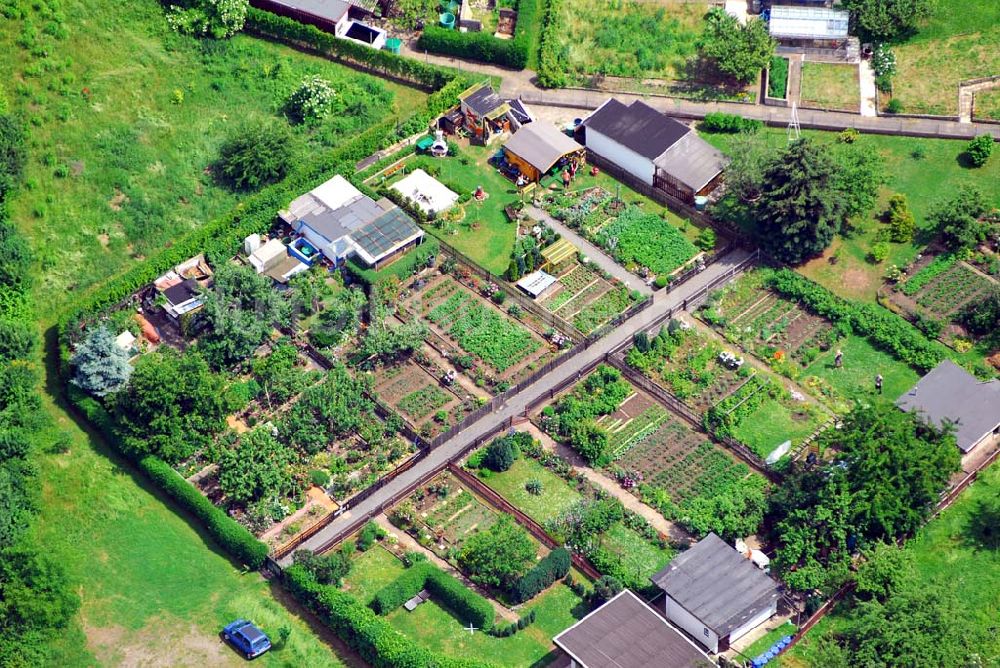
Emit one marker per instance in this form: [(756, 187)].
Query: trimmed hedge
[(232, 536), (554, 566), (483, 46), (551, 70), (365, 632), (383, 62), (883, 328), (465, 603), (719, 121)]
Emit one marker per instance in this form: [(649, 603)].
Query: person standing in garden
[(838, 359), (878, 383)]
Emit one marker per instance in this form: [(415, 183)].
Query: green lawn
[(371, 571), (437, 629), (961, 41), (772, 424), (151, 585), (925, 170), (126, 116), (987, 105), (856, 379), (943, 553), (638, 556), (556, 497), (830, 86), (764, 643)]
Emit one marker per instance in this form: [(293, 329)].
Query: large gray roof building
[(715, 593), (949, 393)]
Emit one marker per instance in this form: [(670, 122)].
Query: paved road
[(593, 253), (516, 405), (522, 84)]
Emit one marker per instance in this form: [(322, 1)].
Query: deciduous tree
[(887, 20), (259, 467), (499, 555), (740, 51), (218, 19)]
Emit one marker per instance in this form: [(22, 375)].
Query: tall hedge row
[(384, 62), (551, 60), (469, 606), (883, 328), (554, 566), (483, 46), (227, 532), (365, 632)]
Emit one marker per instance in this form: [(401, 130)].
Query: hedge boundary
[(464, 602), (221, 238), (227, 532), (554, 566), (361, 629), (484, 47)]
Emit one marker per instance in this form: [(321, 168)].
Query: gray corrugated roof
[(951, 393), (340, 222), (692, 161), (540, 144), (718, 585), (627, 633), (637, 126)]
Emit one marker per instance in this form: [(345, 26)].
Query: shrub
[(979, 150), (777, 77), (209, 18), (256, 155), (368, 535), (894, 106), (311, 101), (880, 251), (533, 487), (500, 454), (606, 588), (706, 239), (884, 66), (554, 566), (900, 219), (413, 558), (469, 606), (718, 121), (319, 478), (329, 568)]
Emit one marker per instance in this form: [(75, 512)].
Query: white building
[(426, 192), (716, 594)]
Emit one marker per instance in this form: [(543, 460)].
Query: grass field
[(943, 554), (126, 116), (152, 586), (556, 497), (631, 39), (371, 571), (638, 557), (830, 86), (986, 105), (437, 629), (856, 379), (961, 41), (771, 425), (925, 170)]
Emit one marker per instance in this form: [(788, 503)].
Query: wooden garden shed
[(538, 147)]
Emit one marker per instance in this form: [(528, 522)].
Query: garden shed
[(426, 192), (815, 27), (716, 594), (536, 283), (949, 393), (538, 147), (627, 633), (484, 112), (653, 149)]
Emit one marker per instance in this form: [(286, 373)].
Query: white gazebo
[(426, 192)]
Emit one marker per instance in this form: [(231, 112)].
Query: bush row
[(232, 536), (885, 329), (369, 635), (483, 46), (551, 72), (554, 566), (383, 62), (469, 606), (507, 630), (718, 121)]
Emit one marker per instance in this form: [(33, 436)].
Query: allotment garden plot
[(487, 343), (423, 395), (941, 289), (735, 397), (586, 298), (643, 242), (650, 450), (802, 345)]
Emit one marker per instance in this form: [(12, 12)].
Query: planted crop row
[(938, 266), (424, 401), (611, 303), (646, 240), (480, 330)]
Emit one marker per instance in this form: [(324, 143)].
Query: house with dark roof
[(340, 221), (538, 147), (655, 149), (951, 395), (339, 17), (716, 594), (627, 633), (485, 115)]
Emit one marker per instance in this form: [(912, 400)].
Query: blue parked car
[(247, 638)]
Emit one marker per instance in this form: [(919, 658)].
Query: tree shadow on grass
[(982, 529)]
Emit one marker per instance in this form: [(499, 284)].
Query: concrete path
[(869, 102), (663, 302), (593, 253), (794, 92), (411, 544), (655, 519)]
